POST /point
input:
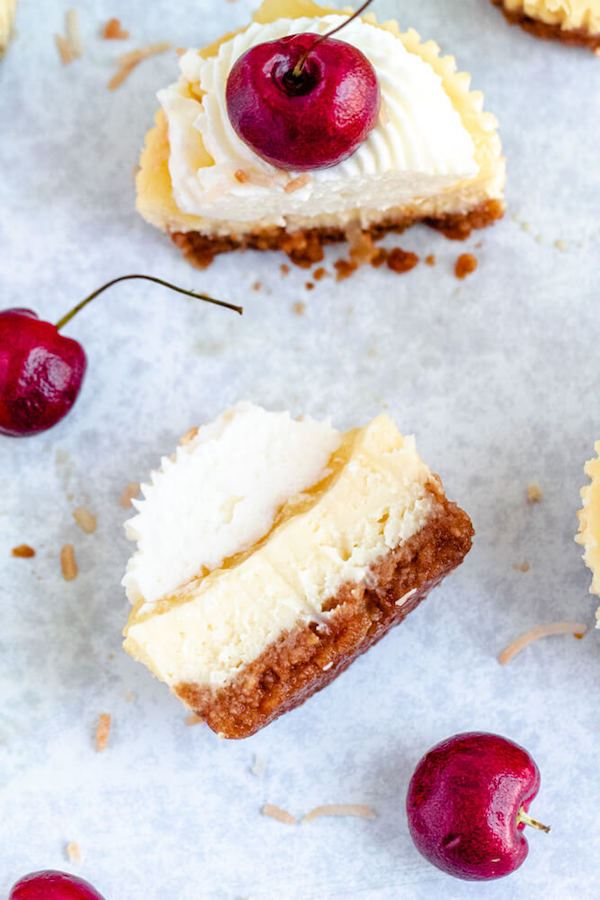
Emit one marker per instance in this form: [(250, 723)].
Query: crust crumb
[(281, 815), (84, 518), (344, 269), (320, 273), (73, 852), (64, 49), (285, 269), (68, 564), (256, 286), (309, 286), (521, 567), (242, 176), (400, 260), (379, 257), (112, 31), (430, 260), (102, 732), (299, 308), (23, 551), (465, 264), (130, 491), (534, 494)]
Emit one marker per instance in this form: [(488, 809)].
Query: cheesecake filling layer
[(377, 495), (419, 148), (220, 493), (571, 15)]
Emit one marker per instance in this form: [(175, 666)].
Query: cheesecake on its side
[(272, 552), (433, 156), (570, 21)]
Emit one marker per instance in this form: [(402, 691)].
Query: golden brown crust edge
[(308, 658), (305, 247), (579, 37)]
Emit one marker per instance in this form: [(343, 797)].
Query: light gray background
[(498, 378)]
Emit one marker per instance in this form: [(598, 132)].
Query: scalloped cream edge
[(589, 523), (155, 201)]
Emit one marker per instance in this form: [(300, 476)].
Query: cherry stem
[(297, 70), (166, 284), (527, 820)]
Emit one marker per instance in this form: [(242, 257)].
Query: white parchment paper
[(497, 376)]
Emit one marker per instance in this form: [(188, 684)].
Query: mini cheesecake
[(589, 522), (273, 551), (434, 155), (570, 21)]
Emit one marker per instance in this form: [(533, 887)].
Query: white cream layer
[(569, 14), (418, 149), (213, 627), (220, 494)]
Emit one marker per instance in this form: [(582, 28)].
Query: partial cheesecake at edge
[(569, 21), (434, 155), (273, 551), (589, 523)]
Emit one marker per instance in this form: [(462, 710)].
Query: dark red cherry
[(467, 805), (52, 885), (303, 102), (41, 371)]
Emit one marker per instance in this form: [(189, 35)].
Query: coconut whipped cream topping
[(418, 149), (379, 498), (220, 494), (569, 14)]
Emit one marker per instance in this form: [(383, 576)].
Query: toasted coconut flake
[(128, 62), (84, 518), (102, 732), (112, 31), (68, 564), (296, 184), (578, 629), (189, 436), (281, 815), (534, 494), (23, 551), (73, 36), (341, 809), (64, 49), (73, 852), (130, 491)]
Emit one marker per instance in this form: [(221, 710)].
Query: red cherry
[(51, 885), (302, 102), (41, 371), (467, 805)]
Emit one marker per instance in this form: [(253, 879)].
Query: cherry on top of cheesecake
[(305, 101)]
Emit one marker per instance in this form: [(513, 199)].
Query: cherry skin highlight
[(308, 119), (467, 805), (40, 373), (52, 885)]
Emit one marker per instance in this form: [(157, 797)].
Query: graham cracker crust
[(579, 37), (305, 247), (309, 657)]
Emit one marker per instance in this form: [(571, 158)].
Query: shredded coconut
[(84, 518), (578, 629), (281, 815), (102, 732), (68, 563), (341, 809)]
